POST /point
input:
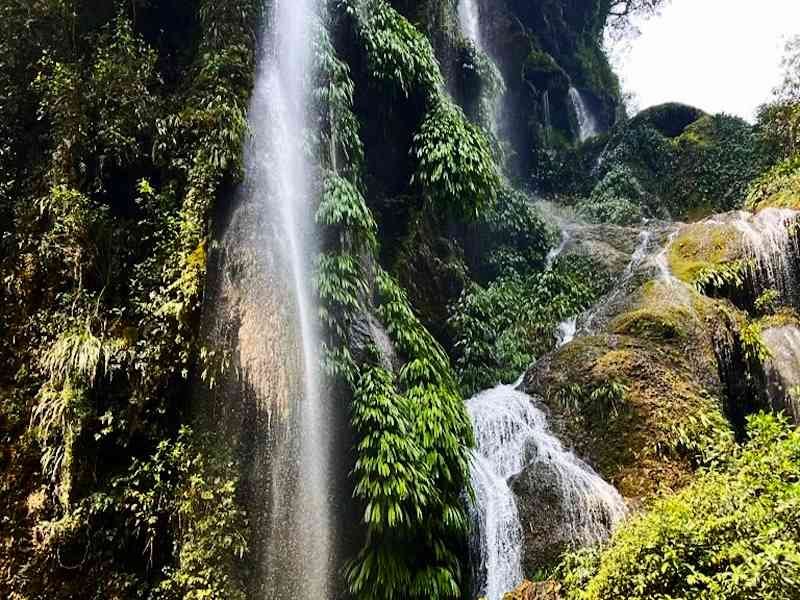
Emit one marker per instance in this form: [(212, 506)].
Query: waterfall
[(260, 310), (587, 126), (771, 244), (469, 19), (640, 255), (300, 562), (511, 433), (548, 122)]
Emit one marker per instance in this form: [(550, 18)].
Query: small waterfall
[(548, 121), (556, 251), (640, 255), (587, 125), (771, 243), (511, 433), (567, 330), (469, 18)]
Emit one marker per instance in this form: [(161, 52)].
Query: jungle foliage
[(122, 123), (732, 533)]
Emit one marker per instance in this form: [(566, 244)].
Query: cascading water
[(548, 121), (511, 433), (260, 308), (772, 246), (587, 125), (300, 560), (469, 19)]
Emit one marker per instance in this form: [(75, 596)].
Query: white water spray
[(469, 18), (266, 288), (511, 433), (772, 246)]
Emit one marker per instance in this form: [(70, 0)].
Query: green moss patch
[(701, 246)]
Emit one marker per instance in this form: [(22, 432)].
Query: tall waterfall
[(587, 125), (511, 433), (261, 310)]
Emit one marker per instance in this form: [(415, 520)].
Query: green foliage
[(778, 187), (118, 145), (767, 303), (398, 54), (676, 161), (455, 168), (599, 402), (755, 350), (513, 236), (196, 494), (720, 276), (613, 210), (732, 533), (339, 126), (501, 328), (411, 427)]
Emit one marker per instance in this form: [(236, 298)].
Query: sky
[(718, 55)]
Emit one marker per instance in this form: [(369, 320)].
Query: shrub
[(455, 167), (732, 533)]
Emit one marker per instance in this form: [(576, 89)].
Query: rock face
[(665, 363), (619, 395)]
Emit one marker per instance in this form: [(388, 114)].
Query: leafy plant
[(720, 276), (731, 533), (455, 168)]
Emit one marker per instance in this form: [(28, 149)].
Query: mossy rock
[(535, 590), (662, 349), (703, 245)]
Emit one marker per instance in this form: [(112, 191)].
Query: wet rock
[(661, 349), (542, 515), (367, 334)]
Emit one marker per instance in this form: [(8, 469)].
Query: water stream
[(772, 246), (512, 433), (587, 125)]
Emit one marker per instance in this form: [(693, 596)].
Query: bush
[(501, 328), (732, 533), (455, 166)]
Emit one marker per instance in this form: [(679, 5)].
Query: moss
[(662, 349), (652, 324), (701, 246), (782, 318), (634, 447)]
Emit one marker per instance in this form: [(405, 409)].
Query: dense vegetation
[(122, 125)]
